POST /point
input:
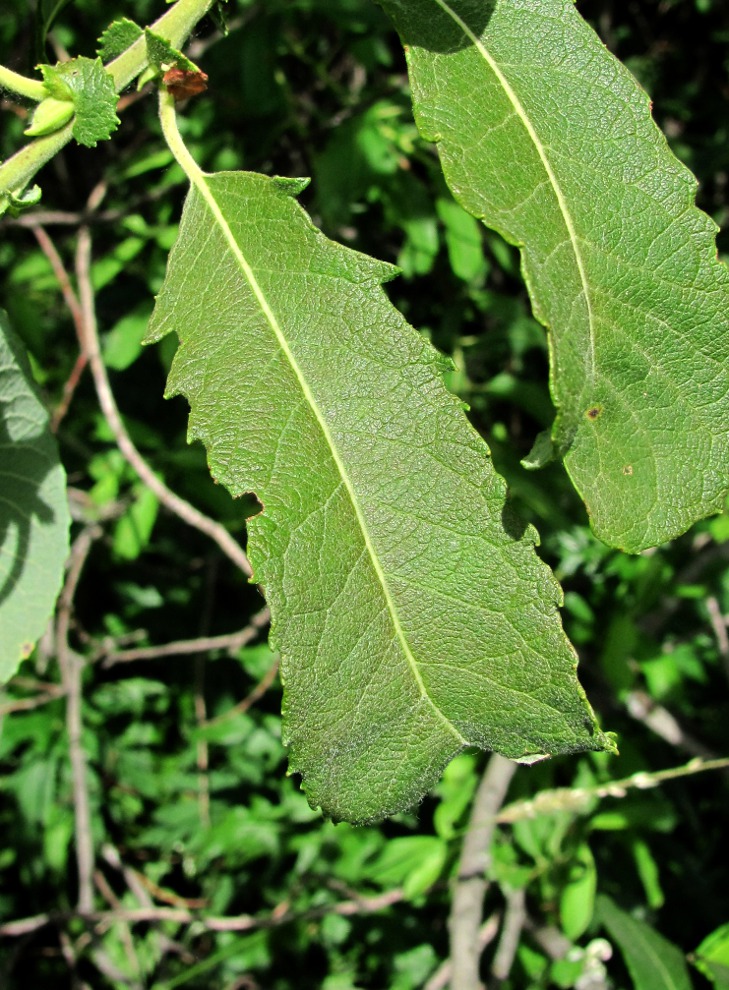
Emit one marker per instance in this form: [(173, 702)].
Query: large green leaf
[(654, 963), (412, 614), (34, 517), (549, 139)]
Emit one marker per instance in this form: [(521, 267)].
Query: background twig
[(471, 882)]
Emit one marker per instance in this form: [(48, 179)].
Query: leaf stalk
[(31, 89), (175, 26)]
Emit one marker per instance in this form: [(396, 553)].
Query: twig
[(719, 625), (658, 719), (579, 800), (241, 923), (188, 513), (64, 282), (70, 298), (550, 939), (228, 641), (50, 693), (108, 894), (705, 557), (486, 934), (258, 691), (471, 882), (514, 920), (137, 884), (71, 665)]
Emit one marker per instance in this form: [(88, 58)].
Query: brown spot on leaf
[(628, 469), (593, 412)]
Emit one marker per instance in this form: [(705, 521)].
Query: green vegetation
[(152, 837)]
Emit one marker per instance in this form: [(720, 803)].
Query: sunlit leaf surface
[(411, 612), (549, 140)]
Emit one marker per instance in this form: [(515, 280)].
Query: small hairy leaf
[(161, 53), (86, 83), (549, 139), (50, 115), (119, 36), (34, 517), (411, 612)]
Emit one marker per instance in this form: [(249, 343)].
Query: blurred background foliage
[(191, 807)]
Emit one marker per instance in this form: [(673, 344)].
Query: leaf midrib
[(202, 187), (554, 182)]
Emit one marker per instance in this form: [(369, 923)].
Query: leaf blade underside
[(411, 620), (548, 139), (34, 515)]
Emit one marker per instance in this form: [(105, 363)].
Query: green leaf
[(654, 963), (577, 901), (34, 518), (134, 529), (17, 203), (463, 240), (50, 115), (119, 36), (712, 957), (161, 53), (411, 612), (86, 83), (549, 140)]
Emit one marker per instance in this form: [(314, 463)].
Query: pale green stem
[(168, 120), (17, 171), (32, 89), (174, 26)]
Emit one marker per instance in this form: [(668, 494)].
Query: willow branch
[(486, 934), (580, 800), (228, 641), (514, 921), (241, 923), (188, 513), (471, 882), (71, 670)]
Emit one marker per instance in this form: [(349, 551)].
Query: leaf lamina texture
[(411, 620), (545, 136)]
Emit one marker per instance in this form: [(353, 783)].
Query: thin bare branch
[(51, 693), (579, 800), (188, 513), (62, 277), (228, 641), (660, 720), (74, 307), (242, 923), (471, 882), (258, 691), (71, 665), (486, 934), (514, 921), (719, 625)]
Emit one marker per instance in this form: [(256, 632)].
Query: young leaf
[(119, 36), (34, 518), (411, 612), (88, 86), (549, 139), (653, 962), (160, 53)]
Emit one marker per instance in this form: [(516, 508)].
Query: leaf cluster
[(317, 88)]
